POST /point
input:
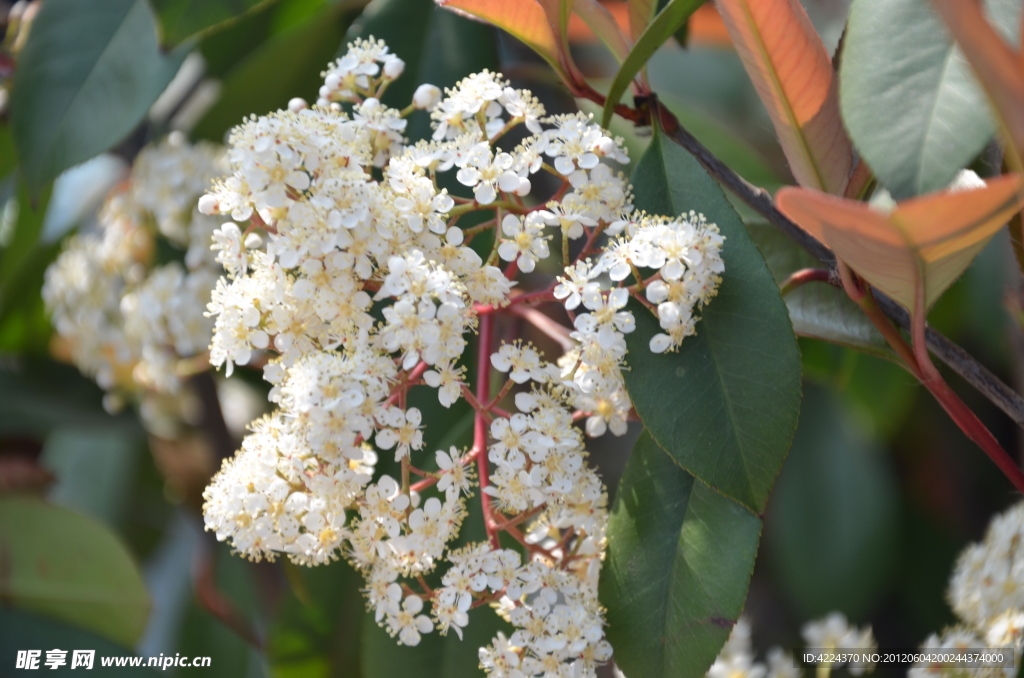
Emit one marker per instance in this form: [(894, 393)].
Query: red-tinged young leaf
[(526, 20), (998, 67), (603, 23), (925, 243), (788, 64)]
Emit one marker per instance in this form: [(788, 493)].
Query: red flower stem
[(522, 517), (501, 394), (591, 240), (546, 325), (405, 381), (537, 296), (483, 394), (423, 484)]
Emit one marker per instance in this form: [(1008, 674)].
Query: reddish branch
[(956, 358)]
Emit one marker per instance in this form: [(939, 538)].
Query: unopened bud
[(332, 82), (297, 104), (325, 92), (393, 68), (426, 96), (606, 146), (208, 204), (252, 241)]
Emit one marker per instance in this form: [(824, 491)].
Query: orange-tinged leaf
[(998, 66), (925, 243), (792, 73), (604, 25), (526, 20)]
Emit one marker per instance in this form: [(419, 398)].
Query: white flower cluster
[(989, 577), (368, 286), (737, 658), (831, 633), (834, 633), (128, 300), (986, 590)]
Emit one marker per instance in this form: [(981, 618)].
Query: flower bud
[(297, 104), (208, 204), (332, 82), (325, 92), (524, 187), (426, 96), (393, 68)]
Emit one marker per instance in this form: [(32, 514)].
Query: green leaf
[(664, 25), (87, 76), (24, 631), (679, 561), (318, 636), (725, 405), (295, 57), (833, 524), (68, 566), (28, 226), (816, 309), (7, 159), (23, 265), (908, 96), (95, 470), (181, 19)]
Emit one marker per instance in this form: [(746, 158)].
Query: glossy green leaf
[(181, 19), (910, 101), (679, 561), (817, 309), (68, 566), (23, 631), (87, 76), (725, 405), (833, 523), (664, 25), (295, 57)]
